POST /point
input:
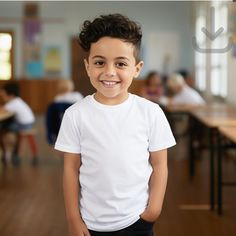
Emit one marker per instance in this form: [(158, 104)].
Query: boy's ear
[(138, 68), (86, 64)]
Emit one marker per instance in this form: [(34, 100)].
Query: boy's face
[(111, 67)]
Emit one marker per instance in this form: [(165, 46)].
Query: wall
[(155, 17), (231, 79), (231, 68)]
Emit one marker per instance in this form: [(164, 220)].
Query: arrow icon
[(212, 34)]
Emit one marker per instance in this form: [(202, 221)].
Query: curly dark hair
[(112, 25)]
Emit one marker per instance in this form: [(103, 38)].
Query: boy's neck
[(110, 101)]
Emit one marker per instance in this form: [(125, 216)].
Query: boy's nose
[(110, 71)]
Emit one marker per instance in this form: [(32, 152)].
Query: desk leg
[(219, 176), (191, 148), (212, 172)]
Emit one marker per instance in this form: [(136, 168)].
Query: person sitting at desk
[(182, 93), (66, 92), (153, 89), (66, 97), (23, 119), (188, 78)]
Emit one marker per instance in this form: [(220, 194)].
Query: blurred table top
[(179, 108), (215, 116), (229, 132), (5, 115)]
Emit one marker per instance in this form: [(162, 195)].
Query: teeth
[(109, 82)]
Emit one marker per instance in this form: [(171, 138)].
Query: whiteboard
[(162, 51)]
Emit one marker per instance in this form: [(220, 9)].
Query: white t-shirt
[(188, 96), (70, 97), (114, 143), (23, 113)]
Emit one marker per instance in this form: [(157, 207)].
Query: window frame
[(221, 68), (200, 68)]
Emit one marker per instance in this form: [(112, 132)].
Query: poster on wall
[(32, 30), (52, 61), (34, 69), (32, 47)]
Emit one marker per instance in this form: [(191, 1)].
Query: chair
[(54, 115), (29, 135), (12, 144)]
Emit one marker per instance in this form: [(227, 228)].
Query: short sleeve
[(68, 139), (8, 106), (160, 135)]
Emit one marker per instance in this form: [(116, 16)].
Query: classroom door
[(79, 75)]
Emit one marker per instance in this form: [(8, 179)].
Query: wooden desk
[(176, 112), (181, 108), (229, 133), (4, 115), (211, 117), (214, 118)]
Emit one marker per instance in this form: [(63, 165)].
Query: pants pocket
[(146, 222), (141, 225)]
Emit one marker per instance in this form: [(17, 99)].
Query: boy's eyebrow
[(98, 56), (122, 58)]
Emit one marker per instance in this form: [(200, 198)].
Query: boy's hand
[(157, 185), (149, 216), (78, 228)]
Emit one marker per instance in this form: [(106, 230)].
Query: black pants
[(139, 228)]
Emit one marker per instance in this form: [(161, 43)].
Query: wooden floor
[(31, 202)]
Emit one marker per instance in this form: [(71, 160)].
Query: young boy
[(114, 142)]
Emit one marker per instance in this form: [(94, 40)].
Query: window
[(6, 59), (200, 58), (212, 66), (218, 66)]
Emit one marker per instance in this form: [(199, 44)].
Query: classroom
[(187, 71)]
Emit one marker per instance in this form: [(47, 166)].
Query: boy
[(114, 143), (23, 120)]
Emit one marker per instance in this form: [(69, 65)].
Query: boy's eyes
[(121, 64), (98, 63), (118, 64)]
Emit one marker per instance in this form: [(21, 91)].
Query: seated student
[(189, 80), (66, 97), (66, 92), (183, 94), (23, 118), (153, 89), (54, 115)]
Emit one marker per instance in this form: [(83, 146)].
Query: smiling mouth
[(109, 84)]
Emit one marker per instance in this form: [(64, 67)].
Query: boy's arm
[(157, 185), (71, 190), (3, 109)]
